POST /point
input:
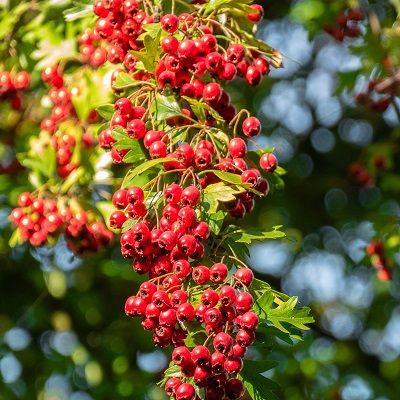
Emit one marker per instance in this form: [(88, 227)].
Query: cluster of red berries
[(11, 86), (164, 231), (374, 98), (361, 174), (38, 219), (346, 25), (172, 252), (375, 251), (91, 48), (63, 143), (60, 96)]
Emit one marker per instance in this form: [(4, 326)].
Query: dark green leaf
[(258, 386), (165, 107)]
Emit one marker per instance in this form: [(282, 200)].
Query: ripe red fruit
[(209, 298), (136, 129), (187, 217), (268, 162), (187, 49), (201, 355), (249, 321), (222, 342), (185, 392), (217, 362), (244, 275), (201, 274), (245, 337), (185, 312), (158, 149), (218, 272), (117, 219), (235, 53), (24, 199), (244, 302), (253, 76), (169, 23), (169, 45), (233, 365), (135, 306), (21, 80), (171, 386), (201, 231), (135, 195), (168, 317), (212, 92), (251, 176), (227, 295), (187, 244), (172, 193), (234, 389), (251, 126), (262, 65), (181, 356), (167, 240), (256, 15), (190, 196), (237, 148)]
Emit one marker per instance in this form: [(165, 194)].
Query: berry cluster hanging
[(192, 174)]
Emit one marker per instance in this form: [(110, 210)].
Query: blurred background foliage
[(63, 333)]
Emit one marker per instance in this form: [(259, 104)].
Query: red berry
[(169, 45), (237, 148), (244, 302), (244, 275), (253, 76), (172, 193), (117, 219), (212, 92), (227, 295), (201, 355), (210, 298), (256, 15), (135, 195), (136, 128), (218, 272), (222, 342), (268, 162), (169, 23), (251, 126), (201, 274), (190, 196), (185, 392)]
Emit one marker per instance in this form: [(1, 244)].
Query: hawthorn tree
[(126, 134)]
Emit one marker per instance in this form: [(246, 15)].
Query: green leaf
[(250, 235), (15, 239), (287, 312), (72, 179), (172, 371), (79, 11), (106, 208), (218, 192), (125, 81), (124, 142), (164, 107), (197, 107), (258, 386), (106, 111), (44, 163), (216, 220), (140, 169)]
